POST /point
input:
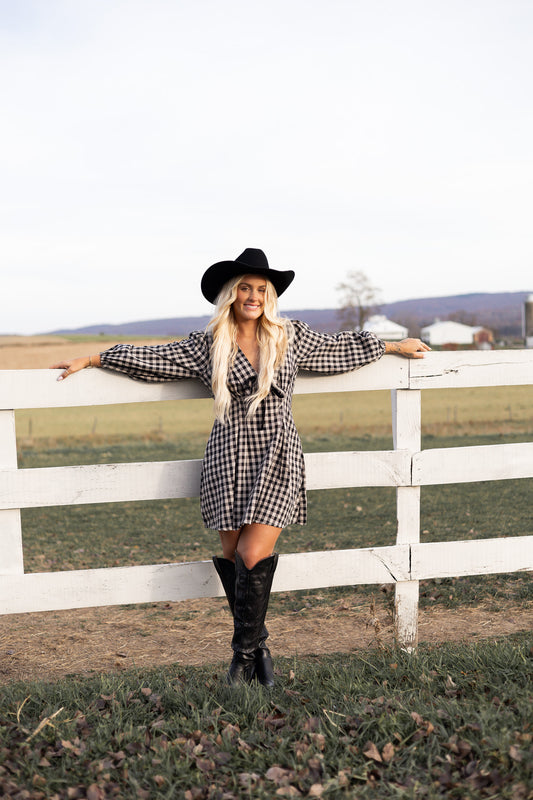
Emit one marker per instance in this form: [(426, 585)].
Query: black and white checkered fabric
[(253, 469)]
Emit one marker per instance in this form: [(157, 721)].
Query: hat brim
[(216, 276)]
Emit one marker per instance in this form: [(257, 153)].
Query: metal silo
[(528, 321)]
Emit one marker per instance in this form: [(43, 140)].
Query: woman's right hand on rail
[(75, 365)]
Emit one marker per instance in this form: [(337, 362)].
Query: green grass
[(452, 721), (120, 534)]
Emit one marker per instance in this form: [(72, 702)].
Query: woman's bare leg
[(229, 540), (256, 541)]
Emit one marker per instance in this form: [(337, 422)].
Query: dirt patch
[(51, 645)]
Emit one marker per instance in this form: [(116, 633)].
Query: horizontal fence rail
[(114, 483), (407, 467), (197, 579), (495, 462)]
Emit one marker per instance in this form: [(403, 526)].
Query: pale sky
[(143, 140)]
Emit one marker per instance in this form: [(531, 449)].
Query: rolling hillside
[(500, 312)]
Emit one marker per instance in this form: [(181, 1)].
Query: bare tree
[(465, 317), (359, 300), (411, 322)]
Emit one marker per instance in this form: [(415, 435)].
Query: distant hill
[(501, 312)]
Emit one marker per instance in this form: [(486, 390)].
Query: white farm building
[(385, 328), (448, 332)]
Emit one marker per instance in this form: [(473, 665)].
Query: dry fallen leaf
[(278, 774), (515, 753), (371, 751), (388, 751), (95, 792), (247, 779)]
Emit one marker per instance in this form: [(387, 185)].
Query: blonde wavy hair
[(273, 336)]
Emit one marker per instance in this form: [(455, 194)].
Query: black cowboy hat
[(250, 262)]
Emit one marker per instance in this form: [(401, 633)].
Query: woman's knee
[(252, 550), (255, 542), (228, 540), (252, 555)]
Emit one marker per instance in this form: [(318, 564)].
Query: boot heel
[(264, 668), (241, 670)]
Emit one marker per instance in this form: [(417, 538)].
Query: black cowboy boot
[(264, 669), (252, 592)]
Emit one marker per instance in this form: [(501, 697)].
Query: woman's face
[(250, 301)]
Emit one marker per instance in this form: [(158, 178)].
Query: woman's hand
[(410, 348), (75, 365)]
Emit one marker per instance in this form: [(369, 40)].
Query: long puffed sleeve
[(188, 358), (335, 353)]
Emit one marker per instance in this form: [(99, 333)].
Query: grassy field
[(452, 722), (86, 536), (121, 534)]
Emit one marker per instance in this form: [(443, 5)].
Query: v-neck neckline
[(246, 359)]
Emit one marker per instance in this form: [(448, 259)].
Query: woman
[(253, 476)]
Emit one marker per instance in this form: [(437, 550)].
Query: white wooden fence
[(407, 467)]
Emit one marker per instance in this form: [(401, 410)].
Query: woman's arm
[(187, 358), (75, 364), (410, 348), (333, 353)]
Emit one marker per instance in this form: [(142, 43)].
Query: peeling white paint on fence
[(467, 368), (407, 467)]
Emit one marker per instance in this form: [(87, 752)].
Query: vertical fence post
[(11, 558), (406, 421)]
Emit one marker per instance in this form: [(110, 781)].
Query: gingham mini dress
[(253, 468)]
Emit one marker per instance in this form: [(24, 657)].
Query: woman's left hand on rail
[(410, 348)]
